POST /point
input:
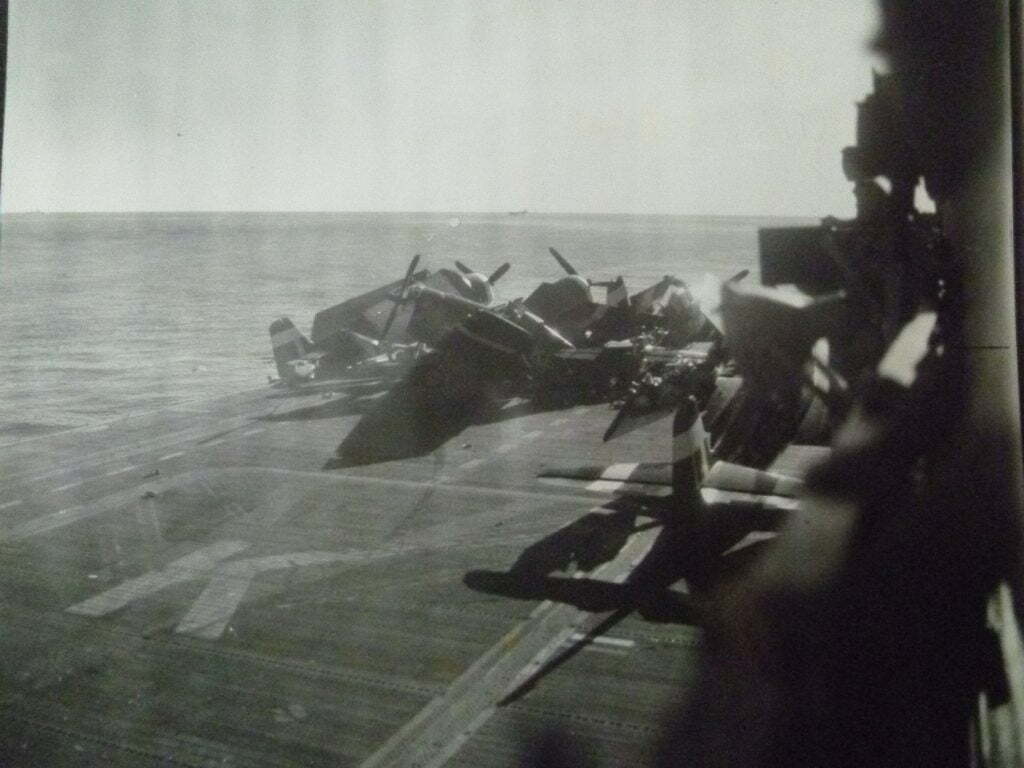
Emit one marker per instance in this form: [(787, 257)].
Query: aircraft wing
[(365, 314), (726, 483)]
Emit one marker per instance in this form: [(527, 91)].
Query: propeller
[(738, 276), (496, 275), (401, 296), (570, 269)]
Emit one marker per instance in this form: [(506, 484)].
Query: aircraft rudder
[(288, 344)]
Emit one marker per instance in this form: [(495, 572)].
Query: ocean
[(104, 315)]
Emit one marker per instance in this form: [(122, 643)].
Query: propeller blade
[(498, 273), (401, 294), (738, 276), (410, 272), (462, 267), (562, 262)]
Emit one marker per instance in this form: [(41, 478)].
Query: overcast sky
[(681, 106)]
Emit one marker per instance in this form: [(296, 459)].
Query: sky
[(731, 107)]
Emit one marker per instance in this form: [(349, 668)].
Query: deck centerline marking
[(446, 724), (166, 440), (478, 490), (54, 521)]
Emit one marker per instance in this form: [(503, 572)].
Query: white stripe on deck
[(618, 642), (228, 582), (183, 569), (211, 612), (120, 471), (64, 517)]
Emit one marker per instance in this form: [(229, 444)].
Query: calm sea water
[(107, 314)]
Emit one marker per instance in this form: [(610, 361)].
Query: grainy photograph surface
[(511, 383)]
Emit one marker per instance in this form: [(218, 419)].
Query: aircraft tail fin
[(617, 295), (727, 476), (289, 345), (689, 458)]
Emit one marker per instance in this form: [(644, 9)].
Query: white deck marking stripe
[(9, 504), (211, 612), (228, 582), (169, 456), (51, 522), (183, 569), (601, 640)]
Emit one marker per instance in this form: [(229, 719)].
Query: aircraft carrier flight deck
[(193, 587)]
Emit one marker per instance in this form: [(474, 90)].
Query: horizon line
[(514, 214)]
